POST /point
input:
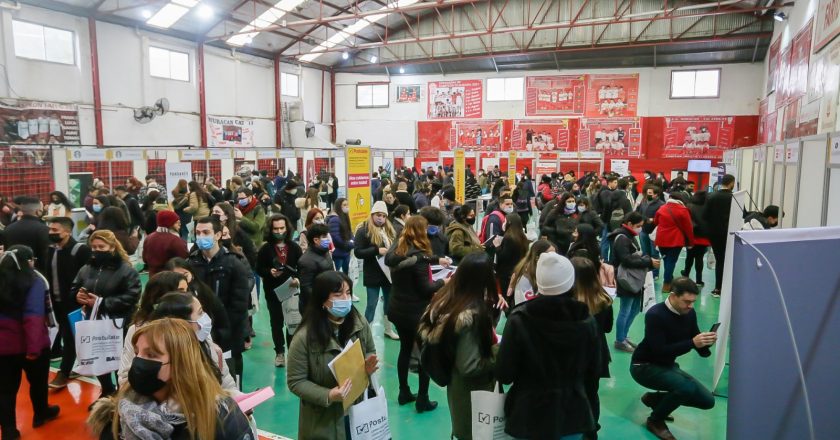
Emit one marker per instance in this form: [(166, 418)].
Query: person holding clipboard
[(330, 321)]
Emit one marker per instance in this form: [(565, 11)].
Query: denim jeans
[(629, 308), (342, 263), (605, 244), (679, 387), (373, 300), (670, 255), (649, 248)]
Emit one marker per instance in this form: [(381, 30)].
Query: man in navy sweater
[(671, 331)]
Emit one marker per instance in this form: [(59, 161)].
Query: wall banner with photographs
[(223, 131), (616, 138), (409, 93), (773, 65), (828, 23), (34, 122), (612, 96), (540, 135), (477, 135), (558, 95), (799, 58), (698, 137), (455, 99)]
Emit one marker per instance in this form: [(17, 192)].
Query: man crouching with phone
[(671, 331)]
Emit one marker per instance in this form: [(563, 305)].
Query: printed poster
[(782, 89), (790, 128), (34, 122), (540, 135), (460, 176), (223, 131), (555, 95), (455, 99), (698, 137), (410, 93), (477, 135), (773, 65), (828, 23), (616, 138), (800, 56), (831, 87), (358, 184), (809, 114), (612, 96), (769, 123)]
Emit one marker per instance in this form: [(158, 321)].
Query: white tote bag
[(99, 344), (291, 311), (488, 415), (369, 418), (649, 296)]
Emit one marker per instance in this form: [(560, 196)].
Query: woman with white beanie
[(373, 239), (548, 351)]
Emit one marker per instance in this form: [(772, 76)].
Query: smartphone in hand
[(714, 328)]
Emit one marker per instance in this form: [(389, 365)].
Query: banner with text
[(828, 23), (557, 95), (612, 96), (455, 99), (698, 137), (799, 58), (223, 131), (34, 122), (511, 169), (540, 135), (616, 138), (460, 176), (773, 65), (358, 184)]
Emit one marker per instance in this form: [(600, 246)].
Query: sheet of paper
[(350, 364), (284, 291), (385, 269), (443, 273), (610, 291), (248, 401)]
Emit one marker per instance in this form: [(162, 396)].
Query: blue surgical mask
[(432, 230), (325, 243), (97, 208), (243, 202), (205, 243), (340, 307)]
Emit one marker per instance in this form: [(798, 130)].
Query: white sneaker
[(280, 360), (389, 330)]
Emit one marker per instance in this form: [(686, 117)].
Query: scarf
[(142, 418), (250, 207), (165, 230), (569, 211)]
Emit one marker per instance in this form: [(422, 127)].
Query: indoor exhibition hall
[(419, 219)]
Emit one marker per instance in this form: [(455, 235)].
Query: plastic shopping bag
[(291, 311), (649, 297), (710, 260), (99, 344), (488, 415), (369, 418)]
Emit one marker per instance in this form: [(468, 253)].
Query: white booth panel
[(809, 211), (746, 170), (833, 208), (769, 177), (778, 184)]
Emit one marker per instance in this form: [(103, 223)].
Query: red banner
[(555, 95), (455, 99), (828, 22), (612, 96), (616, 138), (698, 137), (799, 56), (477, 135), (773, 65), (540, 135), (791, 120), (769, 123), (782, 89)]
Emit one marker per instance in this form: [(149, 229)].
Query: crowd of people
[(209, 251)]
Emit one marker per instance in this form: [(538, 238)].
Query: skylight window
[(168, 15), (267, 18)]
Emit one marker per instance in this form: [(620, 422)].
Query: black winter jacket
[(716, 214), (267, 260), (625, 252), (68, 266), (412, 288), (313, 262), (548, 351), (115, 281), (558, 228), (365, 250), (30, 231)]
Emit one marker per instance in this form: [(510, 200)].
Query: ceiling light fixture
[(402, 69), (266, 19), (780, 16), (205, 11), (345, 55), (373, 59), (146, 14)]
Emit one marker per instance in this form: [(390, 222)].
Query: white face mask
[(508, 209), (570, 205), (637, 230), (345, 209), (581, 209), (205, 326)]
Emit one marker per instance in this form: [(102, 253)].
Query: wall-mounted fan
[(144, 115)]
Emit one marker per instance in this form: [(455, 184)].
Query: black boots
[(423, 404), (406, 396)]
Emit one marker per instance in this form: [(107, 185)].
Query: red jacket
[(674, 228), (159, 248), (23, 329), (544, 190)]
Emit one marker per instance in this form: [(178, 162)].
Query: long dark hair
[(461, 212), (112, 219), (231, 219), (527, 267), (62, 199), (586, 245), (15, 276), (202, 291), (316, 318), (269, 225), (515, 233), (199, 191), (157, 286), (471, 287), (344, 219)]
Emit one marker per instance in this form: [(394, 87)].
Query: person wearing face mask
[(373, 239), (494, 222), (110, 276), (285, 199), (340, 235), (226, 215), (250, 215), (436, 218), (648, 208), (65, 258), (59, 206), (29, 230), (165, 243), (209, 302), (313, 217), (315, 260), (398, 218), (277, 262), (561, 223), (626, 252), (154, 402), (462, 237), (588, 216), (229, 277), (24, 315), (329, 322)]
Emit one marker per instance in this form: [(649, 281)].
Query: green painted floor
[(622, 415)]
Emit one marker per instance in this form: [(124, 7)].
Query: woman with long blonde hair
[(373, 239), (413, 289), (110, 277), (172, 391)]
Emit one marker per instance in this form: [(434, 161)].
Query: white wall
[(236, 85), (395, 126)]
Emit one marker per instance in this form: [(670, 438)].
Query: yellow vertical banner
[(511, 169), (460, 176), (358, 184)]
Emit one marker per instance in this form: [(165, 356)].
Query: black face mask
[(470, 221), (217, 217), (55, 238), (101, 257), (650, 198), (143, 376), (226, 242)]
